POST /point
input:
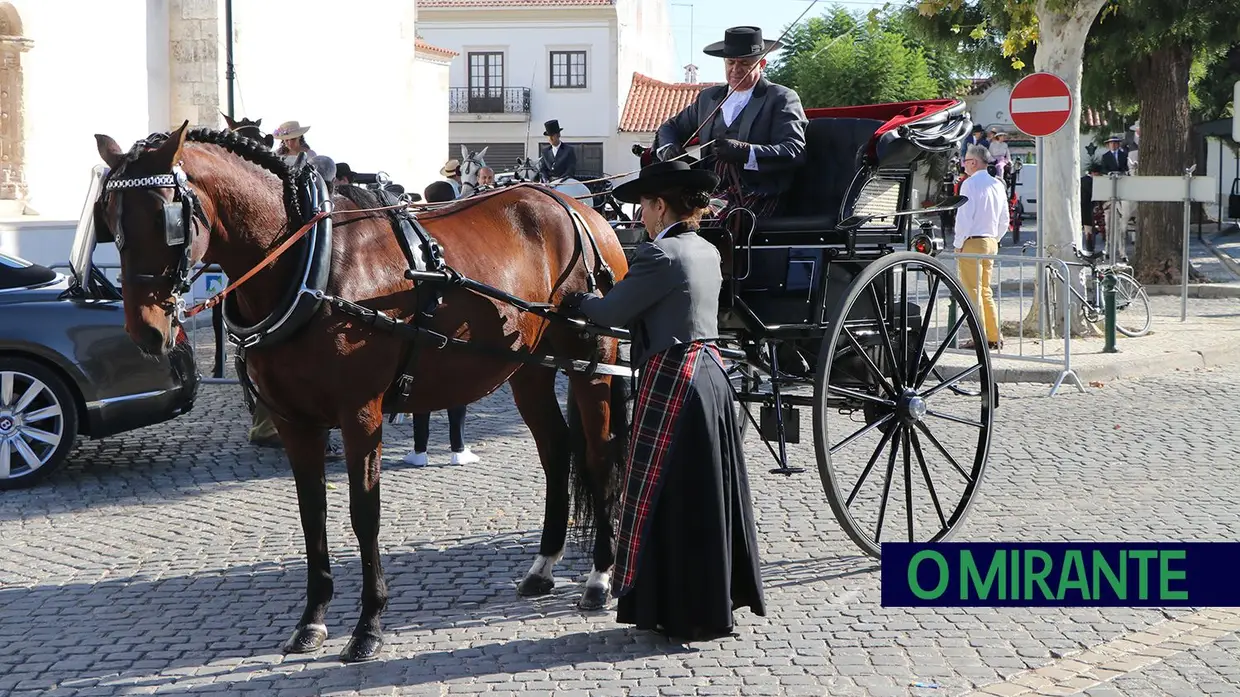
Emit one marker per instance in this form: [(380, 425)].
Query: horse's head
[(471, 164), (249, 129), (149, 210), (525, 171)]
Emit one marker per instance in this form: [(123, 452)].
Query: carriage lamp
[(926, 243)]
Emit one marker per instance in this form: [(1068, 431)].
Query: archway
[(12, 108)]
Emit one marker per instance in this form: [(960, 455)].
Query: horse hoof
[(594, 598), (307, 639), (535, 585), (361, 649)]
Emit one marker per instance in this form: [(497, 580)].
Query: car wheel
[(38, 422)]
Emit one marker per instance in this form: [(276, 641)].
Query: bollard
[(1108, 295), (951, 320)]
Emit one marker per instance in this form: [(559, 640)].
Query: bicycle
[(1130, 296)]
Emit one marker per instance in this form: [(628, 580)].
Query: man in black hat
[(1115, 159), (558, 160), (755, 128)]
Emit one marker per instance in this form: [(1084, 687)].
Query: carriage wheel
[(908, 464)]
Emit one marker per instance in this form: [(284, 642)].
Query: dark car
[(67, 367)]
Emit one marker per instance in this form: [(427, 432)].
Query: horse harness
[(179, 217)]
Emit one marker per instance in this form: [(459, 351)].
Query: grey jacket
[(773, 123), (670, 295)]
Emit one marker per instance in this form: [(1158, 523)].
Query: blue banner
[(1061, 574)]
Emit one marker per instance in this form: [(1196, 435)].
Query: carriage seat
[(834, 153)]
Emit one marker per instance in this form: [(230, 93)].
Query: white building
[(373, 95), (524, 62)]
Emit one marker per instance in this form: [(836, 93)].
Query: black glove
[(731, 150), (670, 152), (570, 305)]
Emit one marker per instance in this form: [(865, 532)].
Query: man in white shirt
[(756, 134), (980, 223)]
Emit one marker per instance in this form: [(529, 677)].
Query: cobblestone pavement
[(170, 561)]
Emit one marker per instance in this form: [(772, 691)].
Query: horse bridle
[(180, 214)]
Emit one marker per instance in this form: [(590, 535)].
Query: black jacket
[(564, 164), (773, 123)]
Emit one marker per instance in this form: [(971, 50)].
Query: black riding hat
[(741, 42), (552, 126), (661, 176)]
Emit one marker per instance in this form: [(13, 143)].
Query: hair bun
[(697, 199)]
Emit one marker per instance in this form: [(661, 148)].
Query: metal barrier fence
[(1032, 274), (195, 325)]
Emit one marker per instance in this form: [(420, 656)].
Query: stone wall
[(196, 61)]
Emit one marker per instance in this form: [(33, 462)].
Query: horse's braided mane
[(243, 147), (257, 153)]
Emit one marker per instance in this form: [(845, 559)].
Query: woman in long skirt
[(687, 551)]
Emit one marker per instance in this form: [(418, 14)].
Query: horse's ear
[(232, 125), (109, 150), (483, 153), (464, 153), (167, 154)]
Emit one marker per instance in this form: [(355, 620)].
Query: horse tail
[(590, 490)]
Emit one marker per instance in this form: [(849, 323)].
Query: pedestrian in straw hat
[(452, 170), (687, 547), (292, 137)]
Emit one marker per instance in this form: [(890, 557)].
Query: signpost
[(1040, 105), (1116, 187)]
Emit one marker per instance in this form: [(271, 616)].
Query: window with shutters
[(568, 69)]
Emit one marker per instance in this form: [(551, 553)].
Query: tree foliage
[(843, 59)]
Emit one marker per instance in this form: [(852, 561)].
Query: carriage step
[(788, 471)]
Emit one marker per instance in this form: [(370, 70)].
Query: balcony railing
[(489, 100)]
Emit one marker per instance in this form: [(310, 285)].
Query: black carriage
[(841, 306)]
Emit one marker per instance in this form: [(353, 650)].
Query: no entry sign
[(1040, 104)]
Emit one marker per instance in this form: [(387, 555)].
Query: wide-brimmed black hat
[(552, 126), (661, 176), (741, 42)]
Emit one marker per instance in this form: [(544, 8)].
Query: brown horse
[(337, 371), (249, 129)]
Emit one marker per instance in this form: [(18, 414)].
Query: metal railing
[(1015, 294), (193, 327), (488, 100)]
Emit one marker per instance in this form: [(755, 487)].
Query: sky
[(711, 17)]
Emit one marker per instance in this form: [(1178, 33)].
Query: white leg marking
[(599, 579), (544, 565)]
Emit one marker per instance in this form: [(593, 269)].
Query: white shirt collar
[(734, 104), (669, 227)]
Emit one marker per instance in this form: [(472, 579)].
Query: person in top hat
[(558, 160), (292, 137), (756, 133), (686, 545)]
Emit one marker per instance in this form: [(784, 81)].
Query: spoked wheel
[(884, 361), (1132, 306)]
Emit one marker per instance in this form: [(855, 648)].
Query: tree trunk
[(1061, 49), (1162, 92)]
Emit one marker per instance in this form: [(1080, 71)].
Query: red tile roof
[(651, 102), (978, 85), (421, 45), (514, 3)]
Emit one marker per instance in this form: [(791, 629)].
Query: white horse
[(471, 164), (527, 171)]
